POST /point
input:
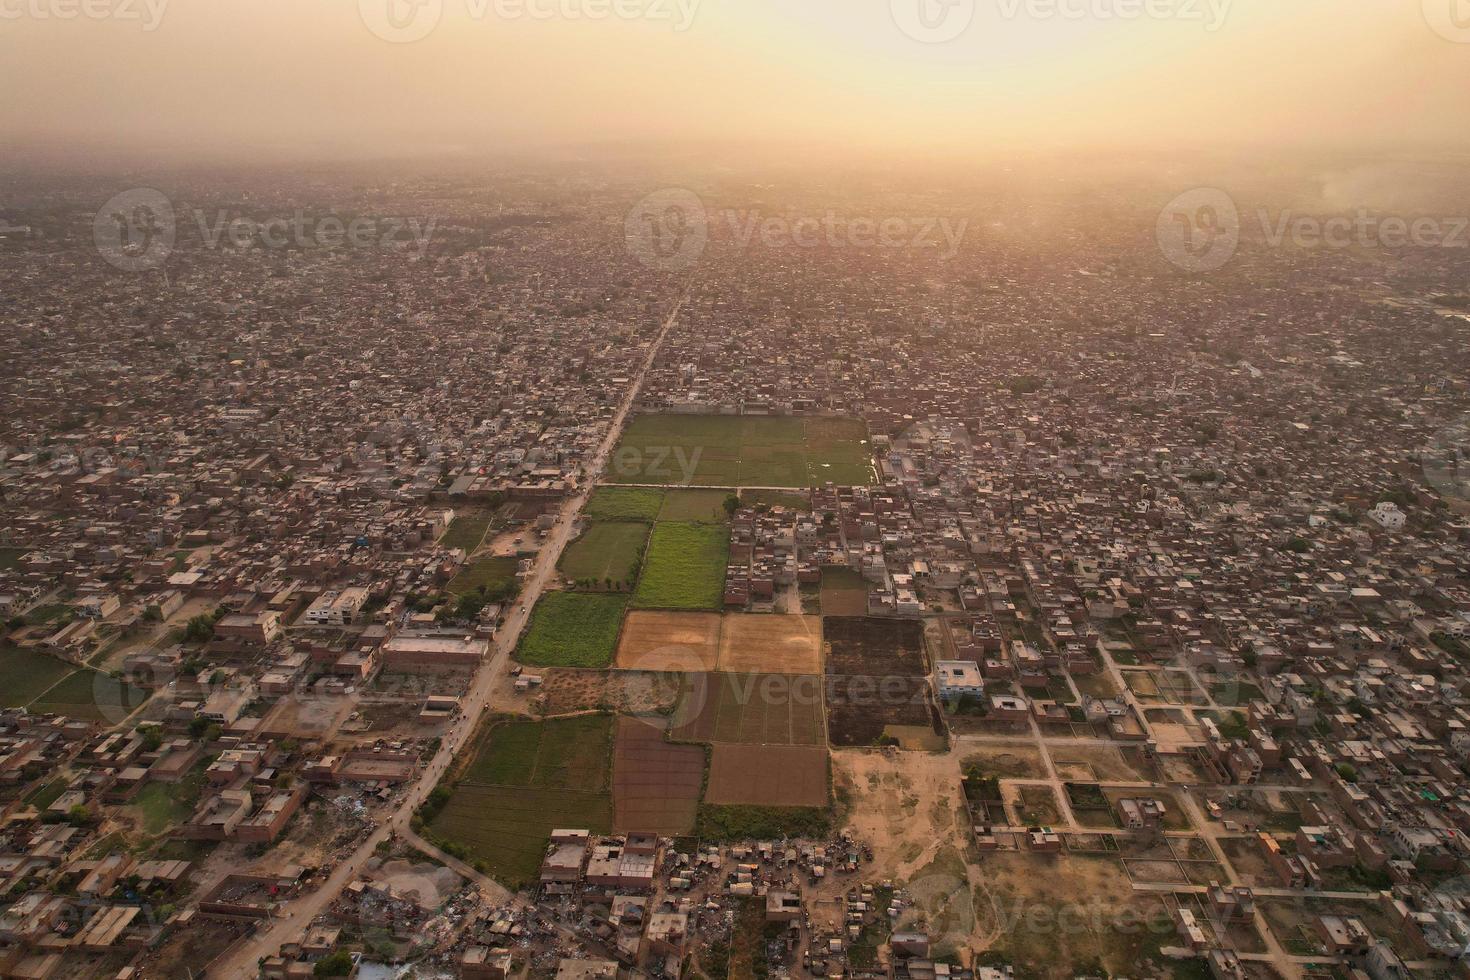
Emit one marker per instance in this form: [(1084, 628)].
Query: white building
[(959, 678), (1388, 516), (336, 608)]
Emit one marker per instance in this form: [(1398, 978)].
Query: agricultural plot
[(606, 556), (639, 504), (696, 506), (669, 641), (656, 785), (685, 568), (573, 629), (736, 451), (876, 679), (771, 644), (492, 574), (91, 695), (25, 676), (525, 780), (768, 775), (755, 709), (844, 593)]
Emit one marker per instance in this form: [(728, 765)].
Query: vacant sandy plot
[(768, 775), (666, 641), (655, 785), (756, 644)]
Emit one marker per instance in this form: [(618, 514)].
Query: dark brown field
[(877, 676), (655, 785), (768, 775)]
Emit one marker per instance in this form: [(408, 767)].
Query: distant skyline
[(171, 82)]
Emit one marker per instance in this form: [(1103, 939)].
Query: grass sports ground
[(742, 451)]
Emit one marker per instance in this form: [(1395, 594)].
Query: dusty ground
[(625, 692), (1020, 761), (907, 806), (771, 644), (667, 641), (1084, 763)]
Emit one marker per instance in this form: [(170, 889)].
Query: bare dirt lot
[(768, 775), (655, 785), (634, 692), (771, 644), (907, 806), (667, 641), (757, 709), (1020, 761), (1101, 763)]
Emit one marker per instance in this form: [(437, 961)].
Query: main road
[(242, 963)]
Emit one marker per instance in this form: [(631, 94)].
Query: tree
[(338, 964), (732, 504)]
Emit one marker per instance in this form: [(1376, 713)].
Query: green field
[(91, 695), (573, 629), (685, 568), (466, 532), (607, 550), (25, 676), (492, 573), (747, 823), (625, 504), (10, 558), (525, 780), (742, 451), (697, 506)]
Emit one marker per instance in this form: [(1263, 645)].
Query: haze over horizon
[(172, 82)]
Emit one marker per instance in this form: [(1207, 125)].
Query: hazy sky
[(220, 77)]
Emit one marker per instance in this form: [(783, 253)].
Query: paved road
[(243, 963)]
